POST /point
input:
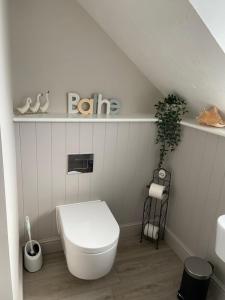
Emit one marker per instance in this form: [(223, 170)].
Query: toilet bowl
[(89, 234)]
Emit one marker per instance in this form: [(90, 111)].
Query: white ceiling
[(169, 43)]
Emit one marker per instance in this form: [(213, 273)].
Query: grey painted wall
[(10, 276), (123, 163), (198, 193), (5, 272), (56, 46)]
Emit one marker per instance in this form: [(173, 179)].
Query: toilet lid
[(90, 226)]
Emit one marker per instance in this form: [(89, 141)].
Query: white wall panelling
[(29, 171), (198, 194), (72, 146), (99, 131), (85, 146), (58, 175), (43, 144), (108, 175), (123, 164), (19, 179)]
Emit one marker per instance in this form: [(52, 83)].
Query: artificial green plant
[(169, 114)]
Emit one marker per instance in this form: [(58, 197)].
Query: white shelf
[(194, 124), (66, 118)]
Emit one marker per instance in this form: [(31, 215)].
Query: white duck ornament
[(36, 106), (23, 109), (45, 106)]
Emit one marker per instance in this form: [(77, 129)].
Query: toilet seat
[(89, 226), (89, 235)]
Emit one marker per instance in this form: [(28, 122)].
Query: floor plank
[(140, 272)]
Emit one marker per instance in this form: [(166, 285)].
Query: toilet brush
[(32, 252), (28, 227)]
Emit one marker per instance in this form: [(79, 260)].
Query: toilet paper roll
[(151, 231), (157, 191)]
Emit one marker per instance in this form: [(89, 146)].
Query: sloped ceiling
[(212, 14), (169, 43)]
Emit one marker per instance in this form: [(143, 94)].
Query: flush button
[(80, 163)]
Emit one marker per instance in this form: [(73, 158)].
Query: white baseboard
[(217, 288), (177, 245), (51, 245), (130, 230)]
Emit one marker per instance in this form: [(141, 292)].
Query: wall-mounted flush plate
[(80, 163)]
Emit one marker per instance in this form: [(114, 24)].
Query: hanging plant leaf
[(169, 114)]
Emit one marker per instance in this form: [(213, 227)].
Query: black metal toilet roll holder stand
[(155, 210)]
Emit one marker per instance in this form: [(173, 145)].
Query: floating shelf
[(141, 118), (66, 118), (194, 124)]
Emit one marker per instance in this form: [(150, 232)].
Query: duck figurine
[(36, 106), (45, 106), (23, 109)]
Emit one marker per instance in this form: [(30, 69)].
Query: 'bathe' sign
[(95, 105)]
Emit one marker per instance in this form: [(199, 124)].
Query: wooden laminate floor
[(140, 272)]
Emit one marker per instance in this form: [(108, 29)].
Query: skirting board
[(217, 288), (53, 244)]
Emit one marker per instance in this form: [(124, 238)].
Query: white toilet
[(89, 234)]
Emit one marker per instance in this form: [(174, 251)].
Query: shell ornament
[(211, 117)]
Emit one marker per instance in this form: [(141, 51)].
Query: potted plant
[(169, 114)]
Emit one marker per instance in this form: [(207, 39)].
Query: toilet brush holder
[(33, 261)]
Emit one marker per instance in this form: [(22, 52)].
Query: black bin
[(195, 280)]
